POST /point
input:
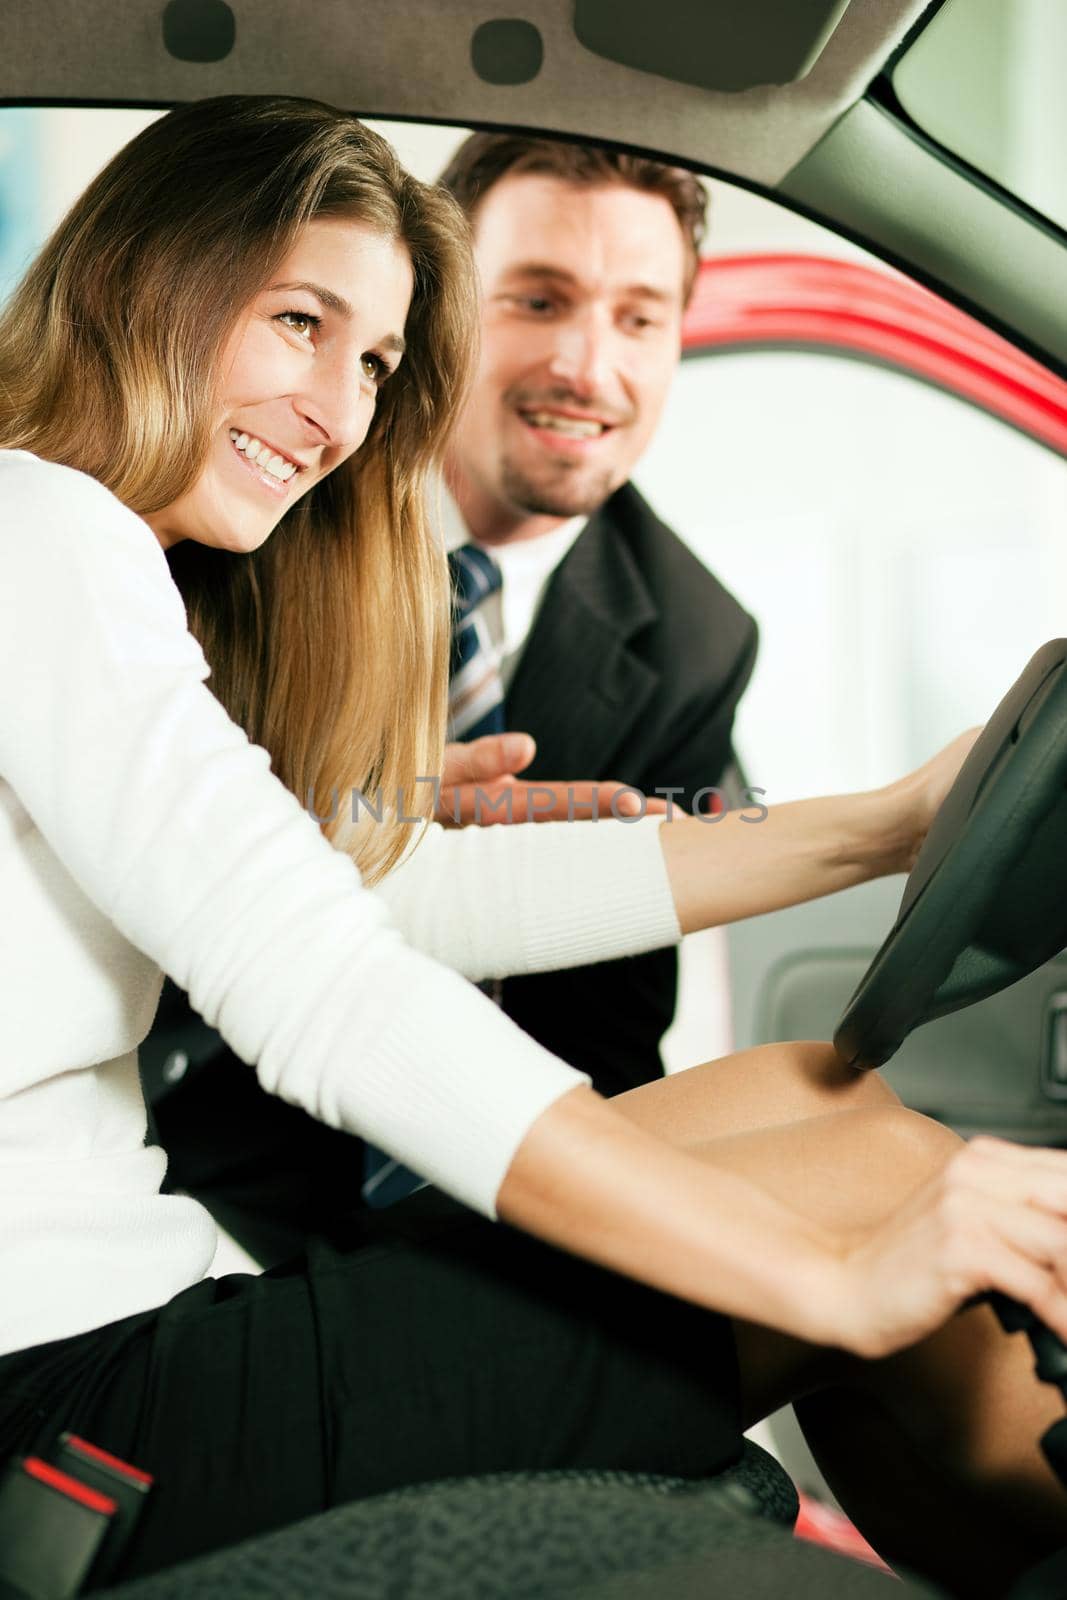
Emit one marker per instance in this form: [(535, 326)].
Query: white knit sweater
[(140, 833)]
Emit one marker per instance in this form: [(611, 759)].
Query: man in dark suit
[(628, 657), (614, 646)]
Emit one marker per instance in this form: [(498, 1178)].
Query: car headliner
[(823, 143), (413, 58)]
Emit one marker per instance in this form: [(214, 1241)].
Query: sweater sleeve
[(534, 896), (170, 820)]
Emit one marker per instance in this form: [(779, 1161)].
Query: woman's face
[(301, 374)]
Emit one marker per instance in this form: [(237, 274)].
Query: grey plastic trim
[(870, 178), (983, 1068)]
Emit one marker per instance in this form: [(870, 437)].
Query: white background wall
[(905, 555)]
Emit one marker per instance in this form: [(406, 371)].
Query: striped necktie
[(475, 707), (475, 693), (386, 1181)]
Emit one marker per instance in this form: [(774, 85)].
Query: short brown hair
[(485, 158)]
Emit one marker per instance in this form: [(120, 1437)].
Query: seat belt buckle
[(51, 1529), (117, 1480), (66, 1519)]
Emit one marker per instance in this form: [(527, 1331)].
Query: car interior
[(866, 442)]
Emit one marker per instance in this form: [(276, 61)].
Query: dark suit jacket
[(632, 671)]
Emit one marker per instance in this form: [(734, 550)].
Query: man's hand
[(478, 784)]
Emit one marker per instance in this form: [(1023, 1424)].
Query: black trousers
[(271, 1175), (429, 1344)]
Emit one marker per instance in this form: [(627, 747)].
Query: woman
[(254, 323)]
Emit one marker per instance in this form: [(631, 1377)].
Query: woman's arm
[(725, 870), (136, 792), (993, 1217), (588, 1179), (534, 897)]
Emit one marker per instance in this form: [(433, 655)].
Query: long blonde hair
[(329, 643)]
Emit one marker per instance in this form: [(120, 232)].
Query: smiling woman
[(151, 334)]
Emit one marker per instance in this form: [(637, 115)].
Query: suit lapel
[(579, 687)]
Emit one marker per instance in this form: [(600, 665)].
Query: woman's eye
[(374, 368), (301, 322)]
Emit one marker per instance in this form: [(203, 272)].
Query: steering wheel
[(986, 902)]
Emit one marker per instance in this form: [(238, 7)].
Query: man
[(616, 649)]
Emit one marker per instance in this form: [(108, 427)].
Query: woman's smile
[(270, 468)]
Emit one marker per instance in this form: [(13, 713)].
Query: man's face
[(581, 332)]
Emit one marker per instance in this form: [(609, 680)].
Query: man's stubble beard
[(564, 498)]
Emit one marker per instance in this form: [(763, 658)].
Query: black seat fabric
[(504, 1537)]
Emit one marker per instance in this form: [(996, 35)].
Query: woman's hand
[(921, 795), (995, 1217)]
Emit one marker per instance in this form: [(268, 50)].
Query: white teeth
[(266, 459), (573, 427)]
